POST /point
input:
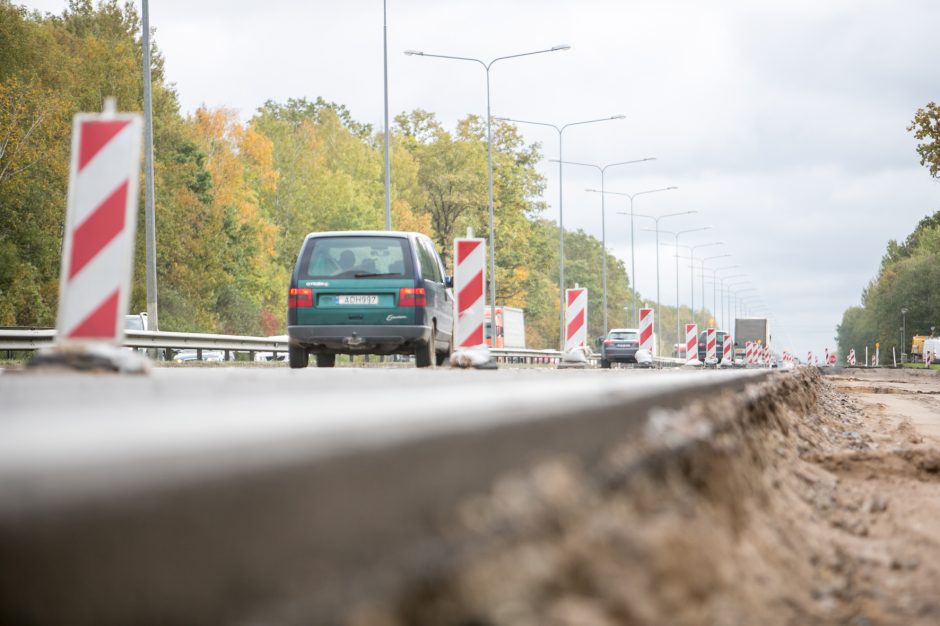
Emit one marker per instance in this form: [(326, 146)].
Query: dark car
[(365, 292), (620, 346), (719, 344)]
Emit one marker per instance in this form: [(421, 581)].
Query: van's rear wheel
[(299, 358), (326, 360), (443, 357), (424, 355)]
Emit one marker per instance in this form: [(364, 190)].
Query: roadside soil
[(808, 500)]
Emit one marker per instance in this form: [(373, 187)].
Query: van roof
[(367, 233)]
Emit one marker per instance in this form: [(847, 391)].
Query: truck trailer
[(510, 327), (753, 329)]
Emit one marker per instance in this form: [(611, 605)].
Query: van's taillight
[(412, 296), (608, 342), (299, 297)]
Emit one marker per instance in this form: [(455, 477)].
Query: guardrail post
[(198, 354)]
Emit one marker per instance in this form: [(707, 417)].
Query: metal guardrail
[(36, 338), (27, 339)]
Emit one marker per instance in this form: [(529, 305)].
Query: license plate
[(623, 345), (357, 299)]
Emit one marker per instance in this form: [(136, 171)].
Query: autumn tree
[(926, 129)]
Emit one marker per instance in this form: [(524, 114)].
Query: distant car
[(211, 356), (136, 321), (719, 344), (620, 346), (369, 292)]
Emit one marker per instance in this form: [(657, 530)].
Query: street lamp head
[(560, 47), (411, 53), (618, 117), (671, 188)]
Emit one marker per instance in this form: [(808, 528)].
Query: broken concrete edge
[(341, 528)]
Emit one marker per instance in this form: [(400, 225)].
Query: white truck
[(510, 327), (753, 329), (932, 347)]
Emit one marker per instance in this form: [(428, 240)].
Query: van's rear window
[(356, 257)]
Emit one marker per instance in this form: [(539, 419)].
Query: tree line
[(909, 273), (235, 198)]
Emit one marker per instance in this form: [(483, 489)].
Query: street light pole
[(679, 337), (903, 332), (692, 261), (721, 291), (603, 170), (561, 213), (656, 219), (150, 222), (489, 158), (631, 196), (709, 258), (388, 167), (717, 289), (732, 312)]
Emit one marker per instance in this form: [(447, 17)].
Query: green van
[(369, 292)]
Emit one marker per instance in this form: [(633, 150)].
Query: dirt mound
[(782, 505)]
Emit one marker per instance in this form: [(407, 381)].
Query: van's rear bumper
[(359, 339)]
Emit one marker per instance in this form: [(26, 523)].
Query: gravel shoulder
[(807, 500)]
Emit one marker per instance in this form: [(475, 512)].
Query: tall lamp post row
[(656, 219), (602, 170), (631, 196), (489, 151), (561, 211), (560, 129), (676, 234)]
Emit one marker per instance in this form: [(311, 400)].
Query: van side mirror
[(449, 282)]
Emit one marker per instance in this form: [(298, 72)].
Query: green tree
[(926, 129)]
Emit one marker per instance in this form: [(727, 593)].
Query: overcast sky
[(782, 122)]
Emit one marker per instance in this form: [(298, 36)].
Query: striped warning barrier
[(576, 318), (691, 345), (646, 330), (469, 277), (727, 351), (851, 359), (767, 357), (100, 224), (711, 345), (748, 354)]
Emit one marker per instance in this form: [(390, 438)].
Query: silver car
[(620, 346)]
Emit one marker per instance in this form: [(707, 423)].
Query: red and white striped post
[(646, 331), (469, 281), (727, 352), (576, 318), (711, 345), (100, 223), (851, 359), (809, 357), (691, 345)]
